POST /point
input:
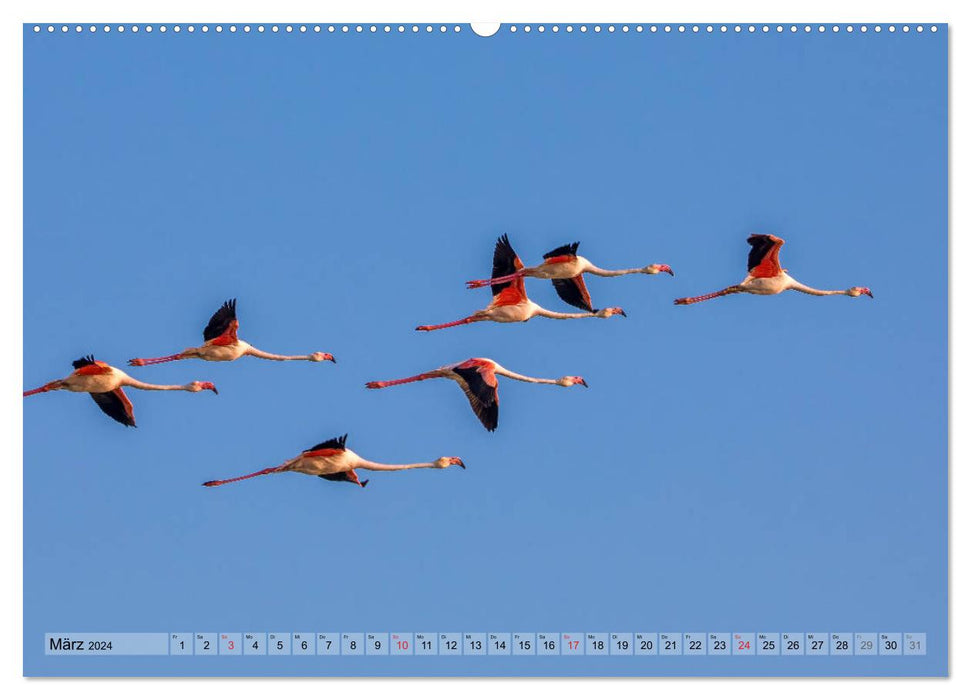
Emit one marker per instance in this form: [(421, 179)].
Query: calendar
[(484, 348), (488, 644)]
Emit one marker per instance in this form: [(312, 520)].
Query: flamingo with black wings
[(105, 384), (766, 276), (332, 460), (509, 301), (222, 344), (565, 269), (477, 377)]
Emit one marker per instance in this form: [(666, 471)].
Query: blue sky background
[(748, 464)]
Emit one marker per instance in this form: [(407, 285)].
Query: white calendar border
[(15, 12)]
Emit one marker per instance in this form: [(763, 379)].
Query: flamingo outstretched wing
[(506, 262), (222, 327), (85, 361), (87, 365), (574, 292), (116, 405), (478, 381), (565, 253), (763, 259), (328, 448), (350, 475)]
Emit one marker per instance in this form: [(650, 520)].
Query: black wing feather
[(482, 397), (339, 476), (220, 320), (109, 402), (761, 245), (571, 294), (503, 262), (342, 476), (568, 249), (336, 443), (83, 362)]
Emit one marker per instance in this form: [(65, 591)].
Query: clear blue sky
[(747, 464)]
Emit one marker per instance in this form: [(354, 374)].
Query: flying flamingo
[(565, 269), (331, 460), (222, 345), (477, 378), (766, 276), (509, 301), (105, 383)]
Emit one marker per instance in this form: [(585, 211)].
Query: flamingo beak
[(328, 356), (666, 268), (869, 293), (623, 313), (458, 462), (583, 382), (211, 387)]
